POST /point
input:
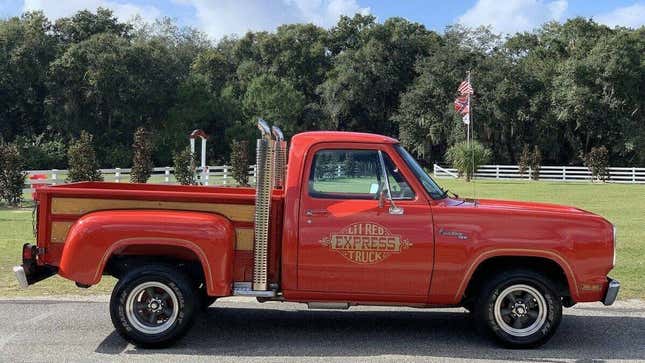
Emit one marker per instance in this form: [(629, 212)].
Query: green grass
[(15, 229), (622, 204)]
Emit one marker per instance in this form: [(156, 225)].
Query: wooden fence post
[(54, 176), (117, 175), (166, 173), (225, 175)]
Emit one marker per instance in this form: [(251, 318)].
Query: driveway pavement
[(239, 330)]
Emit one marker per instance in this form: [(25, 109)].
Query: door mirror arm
[(381, 200)]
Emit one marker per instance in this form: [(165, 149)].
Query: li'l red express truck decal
[(365, 243)]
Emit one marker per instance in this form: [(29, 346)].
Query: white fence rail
[(548, 173), (221, 175)]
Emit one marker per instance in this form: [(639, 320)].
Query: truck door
[(348, 243)]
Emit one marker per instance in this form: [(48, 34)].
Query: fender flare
[(97, 236), (521, 252)]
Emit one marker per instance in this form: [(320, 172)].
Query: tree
[(362, 90), (28, 47), (185, 167), (275, 100), (142, 165), (12, 177), (524, 160), (467, 158), (240, 161), (43, 151), (81, 159), (597, 161), (536, 162)]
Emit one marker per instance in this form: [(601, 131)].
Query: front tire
[(153, 306), (519, 308)]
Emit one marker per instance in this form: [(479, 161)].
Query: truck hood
[(518, 206), (529, 206)]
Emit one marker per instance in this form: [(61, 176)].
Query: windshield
[(428, 184)]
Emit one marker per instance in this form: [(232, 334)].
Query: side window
[(399, 187), (345, 174)]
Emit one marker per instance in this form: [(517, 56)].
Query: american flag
[(465, 88), (461, 105)]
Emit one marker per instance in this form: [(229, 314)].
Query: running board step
[(328, 305), (246, 289)]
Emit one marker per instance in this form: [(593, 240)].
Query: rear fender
[(97, 236)]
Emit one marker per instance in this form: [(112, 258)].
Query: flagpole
[(470, 109), (470, 112)]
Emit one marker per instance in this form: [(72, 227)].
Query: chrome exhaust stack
[(280, 163), (264, 180)]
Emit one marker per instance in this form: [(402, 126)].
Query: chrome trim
[(519, 312), (19, 271), (394, 210), (612, 291), (280, 162), (246, 289), (263, 189), (134, 306), (328, 305)]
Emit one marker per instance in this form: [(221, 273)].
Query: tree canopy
[(565, 87)]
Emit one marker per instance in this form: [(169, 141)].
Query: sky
[(218, 18)]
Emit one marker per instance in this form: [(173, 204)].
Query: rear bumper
[(30, 271), (612, 291)]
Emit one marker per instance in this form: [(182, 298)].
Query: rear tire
[(153, 306), (519, 308)]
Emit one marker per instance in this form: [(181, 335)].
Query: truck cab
[(347, 219)]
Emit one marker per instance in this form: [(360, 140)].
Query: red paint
[(97, 236), (425, 257)]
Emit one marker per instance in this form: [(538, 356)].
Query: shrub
[(43, 151), (12, 177), (536, 160), (597, 160), (141, 157), (185, 167), (240, 161), (524, 160), (467, 158), (81, 159)]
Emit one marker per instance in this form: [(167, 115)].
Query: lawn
[(622, 204)]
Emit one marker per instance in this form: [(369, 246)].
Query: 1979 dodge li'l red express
[(352, 220)]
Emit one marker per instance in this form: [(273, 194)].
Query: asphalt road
[(243, 331)]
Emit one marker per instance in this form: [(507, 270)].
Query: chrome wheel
[(520, 310), (152, 307)]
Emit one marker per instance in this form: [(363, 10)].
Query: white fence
[(215, 176), (549, 173), (223, 175)]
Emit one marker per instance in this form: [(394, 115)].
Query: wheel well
[(181, 258), (549, 268)]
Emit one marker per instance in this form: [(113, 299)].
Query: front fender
[(97, 236)]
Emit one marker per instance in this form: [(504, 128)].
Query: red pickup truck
[(352, 220)]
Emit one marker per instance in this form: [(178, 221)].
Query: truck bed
[(60, 206)]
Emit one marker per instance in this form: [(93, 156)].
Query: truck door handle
[(316, 212)]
